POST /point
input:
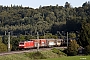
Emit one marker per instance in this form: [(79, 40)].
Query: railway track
[(31, 50)]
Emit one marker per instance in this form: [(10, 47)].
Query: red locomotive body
[(26, 44)]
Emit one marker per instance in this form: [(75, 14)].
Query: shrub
[(72, 49), (3, 47), (49, 54), (36, 55), (87, 50), (57, 51)]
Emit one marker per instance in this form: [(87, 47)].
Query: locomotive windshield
[(22, 43)]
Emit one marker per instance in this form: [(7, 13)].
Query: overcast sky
[(37, 3)]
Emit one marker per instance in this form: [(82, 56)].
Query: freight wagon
[(41, 42), (59, 42), (51, 42)]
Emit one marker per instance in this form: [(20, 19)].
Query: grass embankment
[(14, 57), (53, 54)]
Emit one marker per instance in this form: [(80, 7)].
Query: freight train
[(41, 43)]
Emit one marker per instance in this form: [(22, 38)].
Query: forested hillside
[(48, 19)]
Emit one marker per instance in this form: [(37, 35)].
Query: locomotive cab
[(21, 44)]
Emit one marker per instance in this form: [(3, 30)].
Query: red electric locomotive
[(26, 44)]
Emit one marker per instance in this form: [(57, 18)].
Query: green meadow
[(72, 58)]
